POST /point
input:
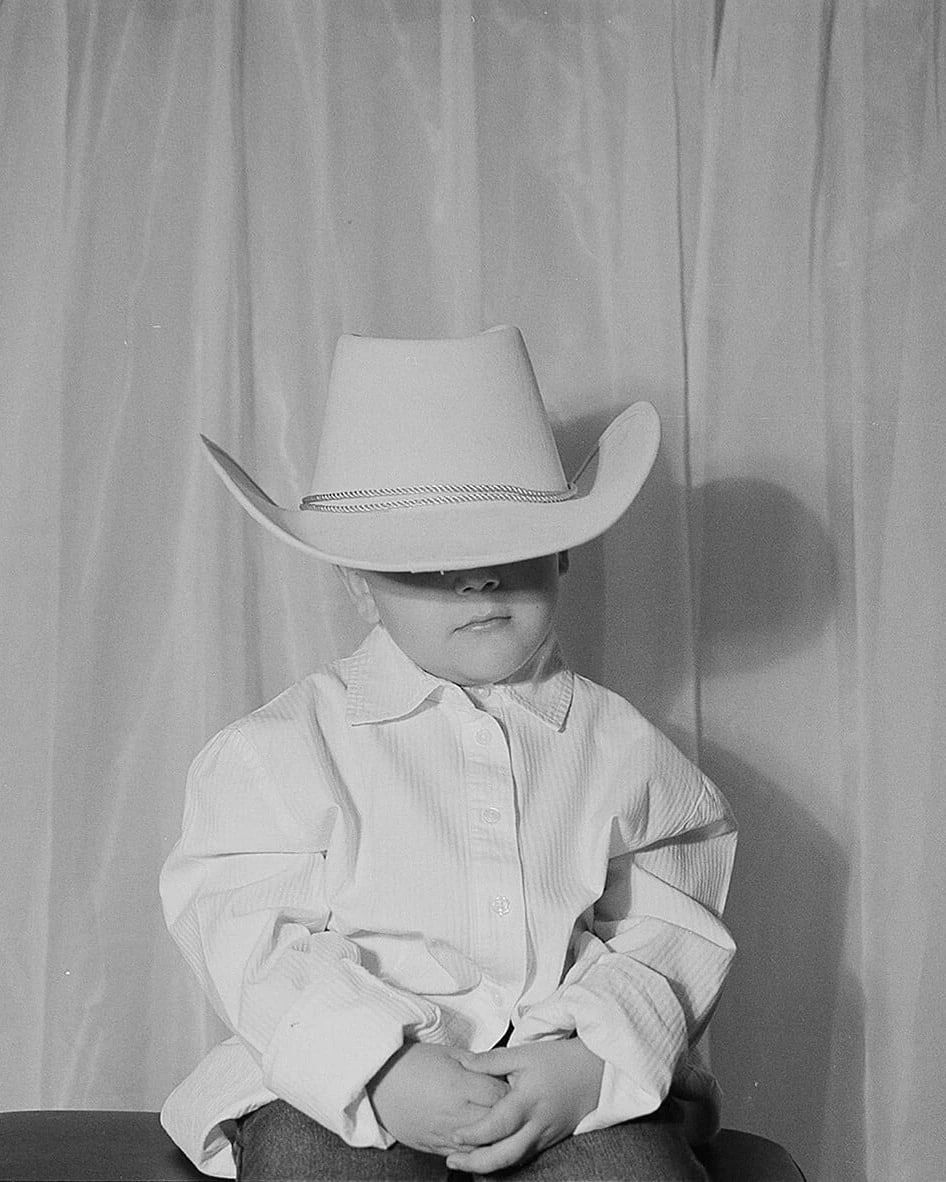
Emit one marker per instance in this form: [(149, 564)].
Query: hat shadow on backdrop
[(790, 1024)]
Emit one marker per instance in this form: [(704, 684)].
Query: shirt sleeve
[(244, 898), (650, 964)]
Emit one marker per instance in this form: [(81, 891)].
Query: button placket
[(497, 893)]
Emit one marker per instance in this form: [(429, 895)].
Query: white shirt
[(379, 854)]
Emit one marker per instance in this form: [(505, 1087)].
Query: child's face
[(471, 627)]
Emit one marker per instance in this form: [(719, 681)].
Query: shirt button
[(500, 905), (490, 816), (482, 691), (496, 997), (482, 737)]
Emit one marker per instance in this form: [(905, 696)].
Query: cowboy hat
[(438, 455)]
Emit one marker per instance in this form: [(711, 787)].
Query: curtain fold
[(33, 74), (734, 210)]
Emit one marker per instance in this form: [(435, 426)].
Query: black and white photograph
[(473, 590)]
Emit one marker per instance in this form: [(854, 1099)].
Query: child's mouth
[(483, 623)]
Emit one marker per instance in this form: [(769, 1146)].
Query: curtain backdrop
[(736, 210)]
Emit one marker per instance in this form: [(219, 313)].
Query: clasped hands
[(487, 1111)]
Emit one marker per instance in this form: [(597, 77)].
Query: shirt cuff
[(694, 1089), (621, 1098), (322, 1056), (638, 1030)]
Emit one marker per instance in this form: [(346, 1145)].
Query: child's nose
[(480, 579)]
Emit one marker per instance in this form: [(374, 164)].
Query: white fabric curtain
[(736, 210)]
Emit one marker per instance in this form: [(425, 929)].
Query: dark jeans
[(277, 1143)]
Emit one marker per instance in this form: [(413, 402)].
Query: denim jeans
[(277, 1143)]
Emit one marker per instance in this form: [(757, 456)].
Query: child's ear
[(360, 593)]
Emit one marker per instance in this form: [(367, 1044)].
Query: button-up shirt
[(379, 855)]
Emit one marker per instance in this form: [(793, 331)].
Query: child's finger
[(500, 1061), (506, 1117), (485, 1089), (498, 1156)]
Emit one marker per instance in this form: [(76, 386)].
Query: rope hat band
[(372, 500)]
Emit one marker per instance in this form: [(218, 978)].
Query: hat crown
[(427, 413)]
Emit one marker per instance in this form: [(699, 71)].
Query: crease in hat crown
[(436, 453)]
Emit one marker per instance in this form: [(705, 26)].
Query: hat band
[(373, 500)]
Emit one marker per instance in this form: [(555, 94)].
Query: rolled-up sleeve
[(244, 898), (650, 962)]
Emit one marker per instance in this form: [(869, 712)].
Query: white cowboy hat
[(438, 455)]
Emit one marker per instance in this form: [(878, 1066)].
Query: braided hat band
[(372, 500)]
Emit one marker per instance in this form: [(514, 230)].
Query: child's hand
[(553, 1085), (424, 1093)]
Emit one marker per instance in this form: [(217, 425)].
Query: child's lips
[(484, 623)]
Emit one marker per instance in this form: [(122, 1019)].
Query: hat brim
[(471, 534)]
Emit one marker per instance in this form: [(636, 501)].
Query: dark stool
[(92, 1146)]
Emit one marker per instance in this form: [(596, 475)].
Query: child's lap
[(278, 1142)]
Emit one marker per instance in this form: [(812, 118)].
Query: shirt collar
[(544, 686), (385, 684)]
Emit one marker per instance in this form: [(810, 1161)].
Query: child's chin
[(486, 659), (488, 672)]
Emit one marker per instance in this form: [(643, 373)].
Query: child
[(452, 898)]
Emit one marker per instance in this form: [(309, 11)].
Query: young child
[(450, 897)]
